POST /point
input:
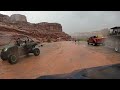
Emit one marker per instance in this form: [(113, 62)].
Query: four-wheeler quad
[(22, 46), (94, 40)]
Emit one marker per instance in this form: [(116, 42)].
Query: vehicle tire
[(117, 47), (3, 58), (12, 59), (36, 51), (94, 44), (88, 43)]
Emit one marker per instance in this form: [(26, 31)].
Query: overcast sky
[(73, 21)]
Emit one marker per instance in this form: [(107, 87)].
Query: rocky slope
[(17, 24)]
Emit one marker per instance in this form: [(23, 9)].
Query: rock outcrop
[(17, 25), (18, 18), (4, 18)]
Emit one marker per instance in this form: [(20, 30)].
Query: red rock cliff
[(40, 31)]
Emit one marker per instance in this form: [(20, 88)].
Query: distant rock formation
[(103, 32), (4, 18), (18, 18), (17, 25)]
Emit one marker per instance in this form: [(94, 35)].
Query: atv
[(21, 47)]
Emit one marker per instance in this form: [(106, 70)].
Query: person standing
[(75, 41)]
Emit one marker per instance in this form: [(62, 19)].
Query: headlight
[(5, 49)]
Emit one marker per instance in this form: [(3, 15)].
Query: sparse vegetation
[(82, 39)]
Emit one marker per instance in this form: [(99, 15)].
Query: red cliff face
[(41, 31)]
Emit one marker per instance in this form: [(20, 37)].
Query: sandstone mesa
[(17, 24)]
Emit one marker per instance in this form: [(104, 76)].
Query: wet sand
[(59, 58)]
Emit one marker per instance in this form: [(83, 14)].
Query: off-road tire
[(12, 59), (36, 51), (88, 43), (94, 44), (3, 58), (117, 48)]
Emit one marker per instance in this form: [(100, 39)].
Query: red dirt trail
[(58, 58)]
